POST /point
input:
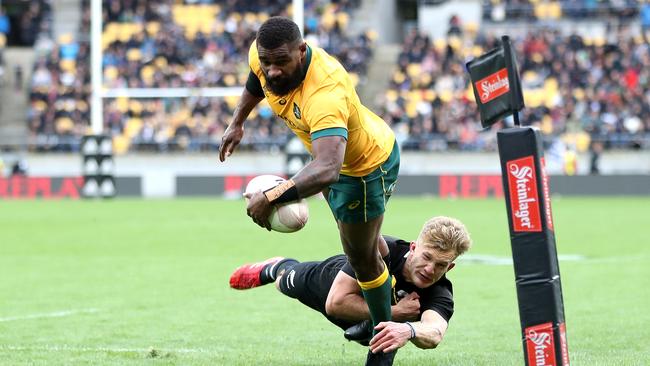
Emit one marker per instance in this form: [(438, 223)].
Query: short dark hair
[(277, 31)]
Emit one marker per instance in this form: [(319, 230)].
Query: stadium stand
[(578, 89), (192, 44), (500, 10)]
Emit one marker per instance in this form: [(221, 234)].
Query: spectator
[(5, 25), (161, 44), (645, 20)]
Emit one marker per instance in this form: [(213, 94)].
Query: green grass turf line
[(154, 275)]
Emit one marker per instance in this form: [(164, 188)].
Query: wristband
[(412, 330), (283, 192)]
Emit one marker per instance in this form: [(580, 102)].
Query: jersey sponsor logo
[(354, 204), (493, 86), (540, 346), (296, 111), (524, 200)]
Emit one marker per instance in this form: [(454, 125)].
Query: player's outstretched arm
[(430, 330), (328, 153), (344, 301), (324, 170), (235, 130), (427, 333)]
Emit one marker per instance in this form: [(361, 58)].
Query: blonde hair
[(446, 234)]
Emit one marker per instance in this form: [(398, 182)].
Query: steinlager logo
[(493, 86), (524, 201), (540, 346)]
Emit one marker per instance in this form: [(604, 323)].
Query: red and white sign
[(540, 346), (524, 200), (20, 187), (493, 86), (547, 197), (563, 346)]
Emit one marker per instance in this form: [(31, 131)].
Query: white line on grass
[(66, 348), (56, 314), (495, 260)]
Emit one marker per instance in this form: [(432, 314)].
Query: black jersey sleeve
[(347, 268), (396, 249), (439, 298), (253, 85)]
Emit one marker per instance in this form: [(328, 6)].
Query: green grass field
[(136, 282)]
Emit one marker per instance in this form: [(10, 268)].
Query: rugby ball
[(287, 217)]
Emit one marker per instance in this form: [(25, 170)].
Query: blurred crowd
[(576, 89), (195, 44), (23, 27), (502, 10)]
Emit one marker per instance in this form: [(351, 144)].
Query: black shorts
[(310, 282)]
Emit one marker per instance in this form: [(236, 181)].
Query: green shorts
[(360, 199)]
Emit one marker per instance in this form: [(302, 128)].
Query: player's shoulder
[(325, 68), (396, 242), (253, 57)]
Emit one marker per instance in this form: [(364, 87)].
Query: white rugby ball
[(287, 217)]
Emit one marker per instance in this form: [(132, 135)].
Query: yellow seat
[(68, 65), (391, 95), (343, 19), (413, 70), (135, 106), (63, 125), (122, 104), (133, 54), (65, 39), (411, 109), (230, 80), (152, 28), (399, 77), (554, 10), (120, 144), (132, 127), (430, 95)]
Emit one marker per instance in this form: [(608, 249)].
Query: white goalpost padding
[(96, 73)]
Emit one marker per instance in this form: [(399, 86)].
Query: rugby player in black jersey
[(422, 294)]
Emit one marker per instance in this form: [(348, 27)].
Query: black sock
[(270, 271)]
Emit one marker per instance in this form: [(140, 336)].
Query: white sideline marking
[(494, 260), (65, 348), (56, 314)]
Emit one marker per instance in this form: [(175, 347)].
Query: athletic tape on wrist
[(283, 192)]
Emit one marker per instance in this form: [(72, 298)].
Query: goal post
[(99, 93)]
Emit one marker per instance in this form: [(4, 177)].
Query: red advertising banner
[(540, 346), (19, 187)]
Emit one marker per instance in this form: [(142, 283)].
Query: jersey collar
[(306, 67)]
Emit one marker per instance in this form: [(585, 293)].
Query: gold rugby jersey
[(327, 104)]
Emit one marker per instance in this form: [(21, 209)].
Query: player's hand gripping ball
[(285, 217)]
